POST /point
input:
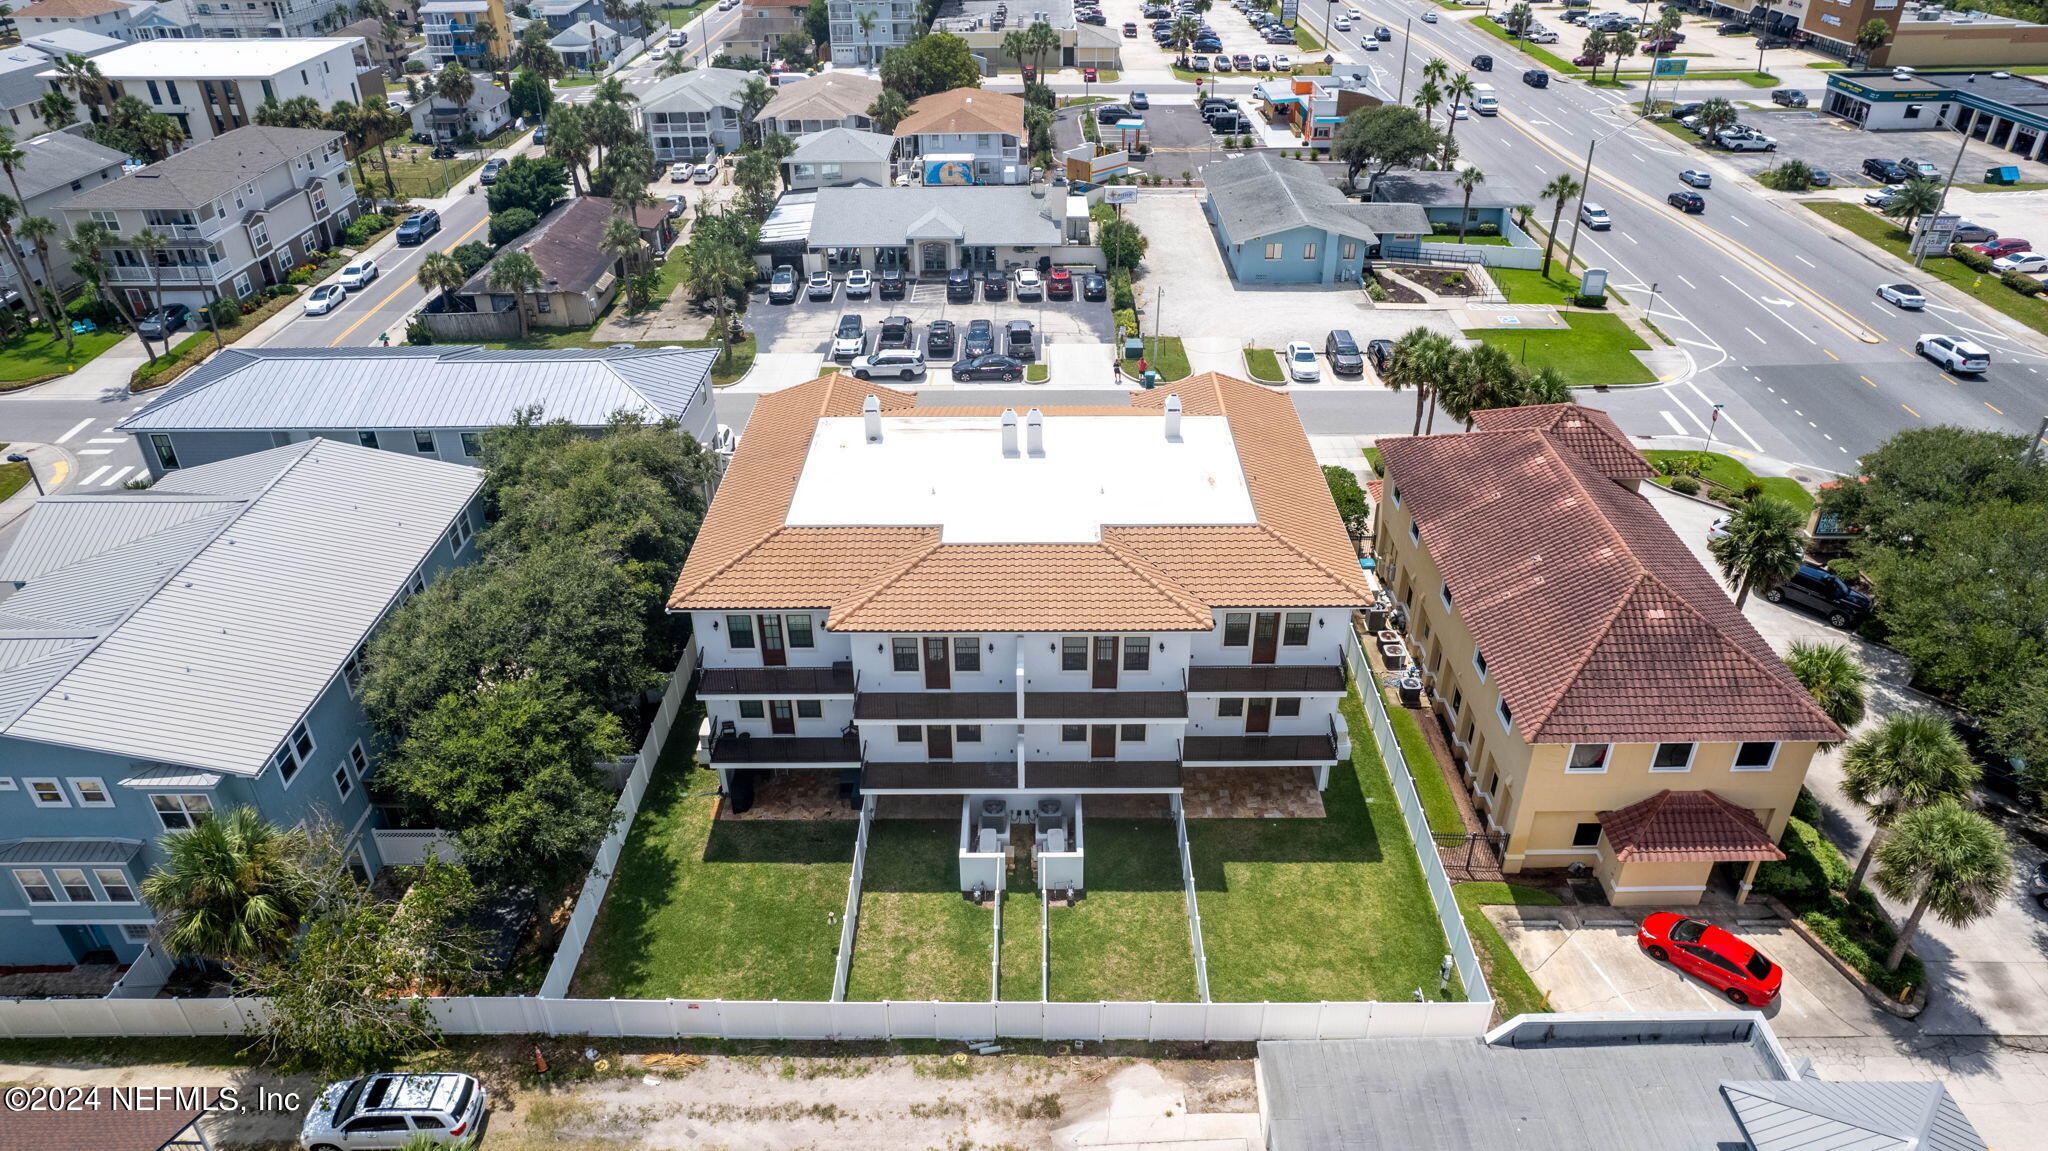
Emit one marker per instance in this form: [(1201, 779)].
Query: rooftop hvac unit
[(1051, 808), (995, 806)]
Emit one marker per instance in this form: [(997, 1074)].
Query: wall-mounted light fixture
[(714, 625), (991, 646), (878, 648)]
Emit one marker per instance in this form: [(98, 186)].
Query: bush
[(415, 66), (226, 311), (1860, 935), (1121, 297), (417, 332), (1685, 486), (1376, 290), (472, 256), (1807, 808), (1752, 489), (1812, 870), (1126, 322), (363, 229), (1970, 257), (511, 223), (2022, 283)]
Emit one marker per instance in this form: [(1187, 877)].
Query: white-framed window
[(76, 888), (459, 533), (472, 445), (416, 585), (1756, 755), (1479, 663), (367, 438), (1414, 532), (35, 885), (352, 671), (1308, 251), (1351, 249), (1506, 713), (114, 883), (181, 812), (293, 753), (1394, 494), (1274, 251), (90, 792), (166, 454), (343, 785), (45, 792), (423, 443), (1586, 757), (110, 220), (1672, 757), (1444, 593), (358, 760), (135, 932)]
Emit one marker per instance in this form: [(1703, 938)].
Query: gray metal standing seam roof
[(68, 850), (261, 389), (1008, 214), (841, 146), (1818, 1115), (698, 91), (235, 620)]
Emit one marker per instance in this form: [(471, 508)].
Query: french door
[(1266, 637), (938, 671), (1105, 662), (1102, 741), (781, 717), (1258, 716), (774, 650), (938, 742)]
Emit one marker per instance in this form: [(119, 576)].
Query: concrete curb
[(1908, 1010)]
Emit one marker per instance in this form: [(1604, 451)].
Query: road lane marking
[(110, 440), (110, 481), (97, 452), (82, 425), (1752, 331), (1807, 262), (1629, 238), (1993, 407), (1673, 421), (409, 281), (57, 473), (1916, 415), (97, 473), (1602, 973), (1738, 219), (1832, 356), (1688, 283), (1951, 382), (1868, 380)]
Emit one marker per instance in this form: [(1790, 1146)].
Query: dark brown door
[(781, 717), (1266, 637), (773, 653), (938, 743), (938, 673), (1102, 741), (1258, 716), (1105, 661)]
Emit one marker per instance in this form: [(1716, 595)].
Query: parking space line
[(1602, 973)]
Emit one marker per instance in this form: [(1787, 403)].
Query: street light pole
[(18, 458), (1585, 186), (1407, 38), (1919, 251)]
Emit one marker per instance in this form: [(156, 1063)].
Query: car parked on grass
[(2003, 246), (1902, 296), (989, 367), (1711, 955), (1823, 593), (358, 274), (417, 227), (388, 1110), (940, 339), (820, 287), (325, 299), (1299, 358), (1687, 202), (1953, 352), (981, 339), (850, 339), (1696, 178), (2030, 263), (891, 364)]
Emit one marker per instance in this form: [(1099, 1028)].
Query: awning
[(1686, 827), (162, 776), (68, 850)]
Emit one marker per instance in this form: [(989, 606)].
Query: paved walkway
[(1215, 354), (1083, 365), (774, 371)]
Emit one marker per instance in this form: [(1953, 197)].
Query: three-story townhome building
[(239, 213), (1608, 704), (818, 103), (192, 648), (891, 24), (266, 19), (965, 136), (1022, 609), (694, 116)]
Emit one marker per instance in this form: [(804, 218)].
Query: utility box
[(2002, 175)]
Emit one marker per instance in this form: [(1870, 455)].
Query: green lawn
[(1019, 977), (1514, 993), (1167, 357), (1036, 373), (717, 909), (682, 14), (1127, 939), (1306, 40), (1748, 76), (1985, 286), (1594, 350), (40, 355), (1302, 909), (1728, 476), (13, 478), (1451, 237), (918, 937), (1556, 63), (1263, 364), (1432, 786), (1531, 286), (2022, 186)]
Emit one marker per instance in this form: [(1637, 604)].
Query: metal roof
[(842, 146), (68, 850), (1004, 215), (236, 622), (315, 389), (159, 777), (1812, 1115), (1258, 195), (698, 91)]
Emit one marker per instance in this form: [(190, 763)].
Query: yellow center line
[(1916, 415), (1994, 407), (1951, 381), (1868, 380), (1832, 356), (409, 282)]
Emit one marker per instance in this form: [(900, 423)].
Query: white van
[(1485, 100)]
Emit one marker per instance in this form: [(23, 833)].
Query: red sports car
[(1708, 953), (1059, 284)]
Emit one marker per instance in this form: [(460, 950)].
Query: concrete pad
[(1524, 316), (774, 371), (1215, 354), (1084, 365)]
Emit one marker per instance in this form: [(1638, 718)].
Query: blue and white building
[(1284, 222), (192, 648)]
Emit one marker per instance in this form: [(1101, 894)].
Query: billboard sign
[(1667, 67), (1933, 234), (1121, 194), (1290, 10)]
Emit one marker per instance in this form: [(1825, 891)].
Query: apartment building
[(1607, 703), (965, 136), (240, 211), (211, 87), (694, 116), (100, 17), (266, 19), (892, 23), (456, 31), (1014, 608), (54, 167), (242, 593)]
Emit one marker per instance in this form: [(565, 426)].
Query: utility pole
[(1920, 252), (1407, 38), (1585, 182)]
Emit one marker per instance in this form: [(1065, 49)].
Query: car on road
[(850, 339), (1460, 111), (1030, 285), (782, 286), (981, 339), (1382, 33), (1902, 296), (325, 299), (418, 226), (706, 173), (1482, 63), (1711, 955), (1370, 45), (1885, 171), (859, 284), (1429, 17), (995, 285), (989, 367), (895, 332), (489, 174), (892, 364), (680, 173), (2030, 263), (1341, 24), (889, 284), (821, 286), (388, 1109), (1094, 287), (1019, 341), (1595, 217), (358, 274), (164, 321), (1140, 101), (1688, 202), (1379, 353), (1696, 178), (1953, 352), (2003, 246), (940, 338), (1536, 78), (1299, 358), (959, 286), (1822, 592), (1789, 97), (1342, 352)]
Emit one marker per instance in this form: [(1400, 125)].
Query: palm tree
[(1517, 20), (621, 241), (441, 272), (754, 97), (1481, 377), (1717, 114), (454, 84), (1042, 40), (231, 888), (1871, 36), (152, 244), (1910, 760), (712, 273), (37, 230), (1831, 675), (1545, 385), (1458, 92), (1763, 546), (87, 248), (346, 118), (1914, 199), (1468, 179), (865, 18), (86, 82), (1185, 29), (1419, 360), (1014, 46), (1623, 42), (1559, 191), (888, 110), (1947, 858), (56, 110), (517, 274), (569, 142), (297, 112), (11, 159), (1437, 69), (1429, 98), (1596, 47), (381, 124)]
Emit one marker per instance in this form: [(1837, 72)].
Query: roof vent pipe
[(1009, 433), (871, 412), (1173, 418), (1034, 431)]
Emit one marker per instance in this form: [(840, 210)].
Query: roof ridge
[(1166, 584), (1542, 711), (860, 597), (1344, 579)]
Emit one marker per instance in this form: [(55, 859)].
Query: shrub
[(1686, 486), (510, 223), (1752, 489), (1858, 933), (2022, 283), (1121, 297), (1970, 257), (415, 66), (363, 228), (1811, 871), (1126, 322), (226, 311), (1807, 808), (1376, 290), (417, 332), (472, 256)]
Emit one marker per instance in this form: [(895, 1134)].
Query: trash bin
[(1151, 378)]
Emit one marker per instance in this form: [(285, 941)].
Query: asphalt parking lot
[(806, 327), (1840, 147), (1180, 138)]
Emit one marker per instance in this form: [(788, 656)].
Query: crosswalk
[(104, 442)]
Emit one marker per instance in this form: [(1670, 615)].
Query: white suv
[(1954, 353), (1595, 217), (384, 1111)]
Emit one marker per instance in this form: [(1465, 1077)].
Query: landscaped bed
[(1127, 939), (1019, 978), (1311, 909), (1727, 477), (918, 937)]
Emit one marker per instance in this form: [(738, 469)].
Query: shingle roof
[(842, 146), (1258, 195), (55, 159), (70, 9), (965, 110), (905, 578), (1596, 620), (263, 389), (583, 33), (1850, 1116), (698, 91), (1686, 827), (206, 171), (1588, 433), (826, 96), (565, 245)]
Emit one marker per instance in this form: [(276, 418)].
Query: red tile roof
[(1596, 620), (1589, 433), (1686, 827)]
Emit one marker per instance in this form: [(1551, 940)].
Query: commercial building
[(242, 593), (892, 23), (929, 231), (1284, 222), (1924, 34), (240, 212), (455, 31), (212, 88), (54, 167), (1999, 108), (965, 136), (1311, 107), (1607, 704), (826, 100), (694, 116)]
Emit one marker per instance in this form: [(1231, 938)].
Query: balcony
[(1001, 706), (177, 274), (938, 775), (776, 682), (919, 706), (784, 751), (1267, 679), (1101, 775), (1311, 750), (1135, 706)]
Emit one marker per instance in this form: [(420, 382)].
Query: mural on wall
[(950, 173)]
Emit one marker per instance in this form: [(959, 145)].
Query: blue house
[(1285, 222), (560, 14), (194, 647)]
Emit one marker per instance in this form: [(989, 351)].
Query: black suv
[(1886, 171), (939, 339), (1482, 63), (981, 338), (1536, 78), (1822, 592), (960, 286), (995, 286), (1342, 352), (1687, 201), (889, 283), (1379, 352)]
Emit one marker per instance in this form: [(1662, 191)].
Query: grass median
[(1491, 28), (1592, 349), (1986, 287)]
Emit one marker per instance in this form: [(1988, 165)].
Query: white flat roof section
[(951, 472), (215, 59)]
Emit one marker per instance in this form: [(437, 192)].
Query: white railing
[(1187, 879), (844, 962), (409, 848)]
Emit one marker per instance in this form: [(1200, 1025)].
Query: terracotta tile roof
[(1589, 433), (965, 110), (1596, 620), (904, 578), (1686, 827)]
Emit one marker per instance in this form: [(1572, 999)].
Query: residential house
[(892, 23), (242, 593), (826, 100), (838, 158), (965, 136), (1284, 222), (54, 167), (487, 112), (455, 31), (270, 20), (21, 86), (433, 402), (1607, 704), (211, 87), (165, 20), (240, 211), (588, 45), (100, 17), (581, 277), (763, 23), (560, 14), (381, 50), (657, 228), (929, 231), (1019, 610), (694, 116), (72, 42)]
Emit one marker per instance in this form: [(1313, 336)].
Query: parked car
[(1595, 217), (1242, 62), (387, 1110), (1298, 360), (2031, 263), (895, 363), (1342, 352), (1790, 98), (850, 339), (417, 227), (939, 338), (1919, 168), (1094, 287), (1822, 592), (820, 287), (1746, 142), (1019, 341), (959, 286), (1687, 202), (1222, 62), (995, 285), (1199, 63), (1902, 296), (890, 285), (1821, 177), (895, 332), (2003, 246), (1589, 59), (680, 173), (1536, 78), (489, 174), (1954, 352), (1885, 171), (1696, 178), (1733, 28), (1880, 197), (1378, 353), (1283, 62), (1030, 285), (325, 299), (1111, 113), (859, 284), (1482, 63), (1686, 110), (1973, 233), (989, 367), (1059, 284), (706, 173), (981, 339), (358, 274), (782, 287), (1231, 124), (1712, 955), (1140, 102)]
